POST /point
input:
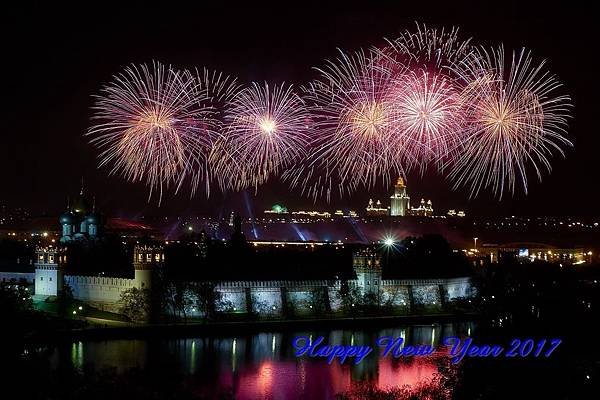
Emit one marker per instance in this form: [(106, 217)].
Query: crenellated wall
[(98, 289)]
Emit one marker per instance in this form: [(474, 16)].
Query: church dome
[(93, 218), (66, 218)]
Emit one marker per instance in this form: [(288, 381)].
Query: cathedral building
[(79, 221)]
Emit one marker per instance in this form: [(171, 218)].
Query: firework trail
[(150, 126), (354, 124), (514, 119), (266, 132), (214, 91), (429, 49)]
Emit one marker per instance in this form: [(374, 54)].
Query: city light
[(389, 241)]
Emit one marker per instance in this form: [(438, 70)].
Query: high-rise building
[(400, 202)]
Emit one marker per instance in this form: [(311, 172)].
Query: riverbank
[(217, 328)]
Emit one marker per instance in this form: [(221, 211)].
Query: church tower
[(146, 258), (400, 202), (48, 271)]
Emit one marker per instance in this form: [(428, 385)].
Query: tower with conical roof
[(400, 202)]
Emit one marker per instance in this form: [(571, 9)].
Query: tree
[(349, 296), (64, 299), (207, 297), (135, 303), (318, 301)]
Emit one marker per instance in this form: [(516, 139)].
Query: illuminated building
[(400, 202), (454, 213), (425, 209), (77, 222), (525, 251), (277, 209), (313, 214), (376, 210)]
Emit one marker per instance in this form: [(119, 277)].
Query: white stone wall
[(395, 295), (17, 277), (232, 301), (300, 300), (266, 301), (47, 282), (426, 295), (335, 301), (98, 289), (458, 288)]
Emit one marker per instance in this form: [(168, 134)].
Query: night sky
[(56, 58)]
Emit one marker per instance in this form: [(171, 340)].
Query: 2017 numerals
[(526, 347)]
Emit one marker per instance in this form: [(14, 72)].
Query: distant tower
[(146, 259), (367, 266), (48, 271), (400, 202)]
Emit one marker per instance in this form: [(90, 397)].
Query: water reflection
[(263, 365)]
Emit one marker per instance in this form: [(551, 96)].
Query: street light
[(475, 242)]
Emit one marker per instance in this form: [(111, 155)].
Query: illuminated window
[(148, 257)]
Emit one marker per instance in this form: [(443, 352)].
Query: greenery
[(135, 304)]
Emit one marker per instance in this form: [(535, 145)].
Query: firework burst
[(267, 131), (150, 126), (513, 120), (354, 121), (429, 117)]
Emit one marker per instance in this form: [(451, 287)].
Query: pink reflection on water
[(315, 379)]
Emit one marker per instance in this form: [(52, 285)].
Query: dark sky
[(56, 58)]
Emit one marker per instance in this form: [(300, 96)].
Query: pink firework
[(430, 49), (266, 132), (429, 117), (150, 126), (354, 121), (515, 120), (215, 91)]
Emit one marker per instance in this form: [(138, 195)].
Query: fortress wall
[(266, 300), (456, 288), (17, 277), (426, 295), (395, 295), (98, 289), (335, 301), (232, 300), (301, 301)]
